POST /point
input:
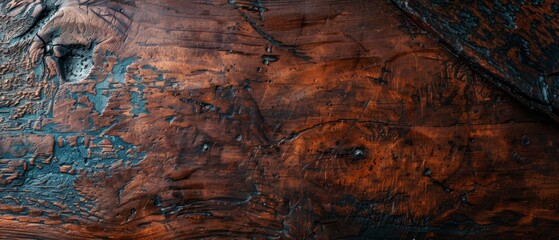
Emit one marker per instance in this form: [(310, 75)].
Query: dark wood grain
[(258, 119), (512, 43)]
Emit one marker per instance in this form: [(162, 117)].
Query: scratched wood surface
[(513, 43), (258, 119)]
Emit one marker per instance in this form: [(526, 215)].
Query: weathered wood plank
[(258, 119), (513, 43)]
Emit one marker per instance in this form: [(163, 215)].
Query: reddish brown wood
[(513, 43), (258, 119)]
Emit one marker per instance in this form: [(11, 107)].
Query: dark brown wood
[(258, 119), (512, 43)]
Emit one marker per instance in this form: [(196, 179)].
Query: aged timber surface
[(258, 119), (512, 42)]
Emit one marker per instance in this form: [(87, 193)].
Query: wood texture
[(258, 119), (513, 43)]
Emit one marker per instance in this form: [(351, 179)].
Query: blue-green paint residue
[(100, 99), (119, 70), (47, 184), (44, 181), (137, 99)]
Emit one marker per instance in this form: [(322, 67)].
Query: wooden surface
[(258, 119), (513, 43)]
